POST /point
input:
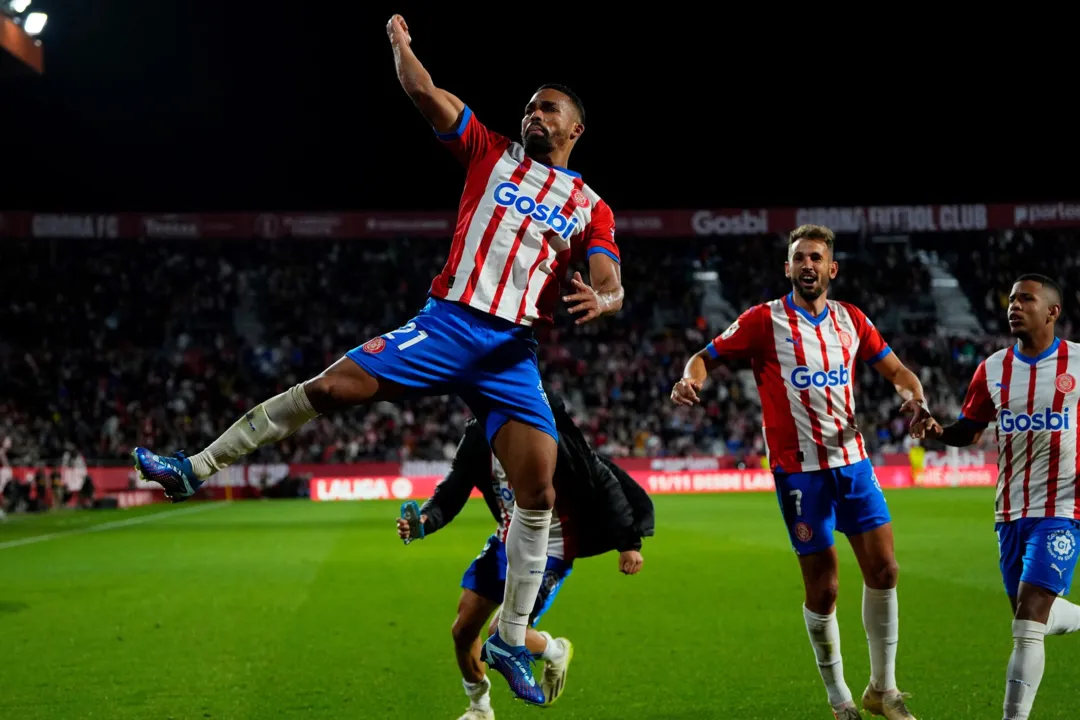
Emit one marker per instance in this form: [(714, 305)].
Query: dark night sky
[(243, 106)]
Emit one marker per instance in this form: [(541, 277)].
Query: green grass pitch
[(293, 609)]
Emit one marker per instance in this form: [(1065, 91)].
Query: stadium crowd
[(111, 344)]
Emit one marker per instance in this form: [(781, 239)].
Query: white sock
[(526, 557), (555, 651), (824, 634), (1025, 668), (1064, 618), (881, 619), (270, 422), (478, 693)]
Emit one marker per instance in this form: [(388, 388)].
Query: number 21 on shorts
[(420, 336)]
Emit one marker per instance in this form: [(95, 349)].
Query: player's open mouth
[(1015, 320), (808, 279)]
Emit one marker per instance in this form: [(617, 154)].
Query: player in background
[(599, 508), (803, 349), (523, 216), (1030, 389)]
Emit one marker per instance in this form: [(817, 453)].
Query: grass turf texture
[(298, 609)]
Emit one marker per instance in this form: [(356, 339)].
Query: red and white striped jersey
[(1034, 401), (804, 368), (519, 225)]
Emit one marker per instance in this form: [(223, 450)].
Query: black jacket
[(607, 509)]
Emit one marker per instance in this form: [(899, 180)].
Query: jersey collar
[(815, 321), (1041, 356)]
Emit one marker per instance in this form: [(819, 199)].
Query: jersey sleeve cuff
[(456, 133), (713, 352), (879, 357), (977, 424), (605, 251)]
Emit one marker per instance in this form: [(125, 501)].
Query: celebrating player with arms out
[(522, 218), (803, 349), (1031, 390), (600, 509)]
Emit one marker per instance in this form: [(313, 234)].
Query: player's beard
[(812, 293), (538, 145)]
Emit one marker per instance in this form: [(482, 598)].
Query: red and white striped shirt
[(1034, 401), (519, 225), (804, 368)]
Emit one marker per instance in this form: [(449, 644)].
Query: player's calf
[(1025, 670), (528, 455)]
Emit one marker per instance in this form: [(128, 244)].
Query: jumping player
[(803, 350), (1030, 389), (599, 508), (523, 216)]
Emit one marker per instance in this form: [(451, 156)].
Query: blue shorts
[(487, 577), (848, 499), (1038, 551), (451, 349)]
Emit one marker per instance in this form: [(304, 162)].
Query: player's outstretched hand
[(630, 562), (686, 392), (916, 407), (398, 31), (403, 527), (926, 427), (588, 300)]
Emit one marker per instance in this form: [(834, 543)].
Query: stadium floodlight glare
[(20, 6), (35, 23)]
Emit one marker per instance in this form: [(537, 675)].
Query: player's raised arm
[(441, 108)]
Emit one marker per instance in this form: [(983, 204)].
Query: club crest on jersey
[(803, 532), (1065, 383), (1061, 544), (580, 198), (374, 346), (845, 338), (507, 194)]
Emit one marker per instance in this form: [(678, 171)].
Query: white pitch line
[(111, 525)]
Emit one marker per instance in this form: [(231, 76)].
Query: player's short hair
[(813, 232), (568, 93), (1046, 282)]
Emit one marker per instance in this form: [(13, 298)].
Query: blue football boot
[(174, 474), (515, 664)]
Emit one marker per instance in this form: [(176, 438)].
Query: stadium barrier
[(891, 477), (417, 479)]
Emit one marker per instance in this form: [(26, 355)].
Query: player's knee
[(537, 497), (821, 598), (887, 575), (330, 392)]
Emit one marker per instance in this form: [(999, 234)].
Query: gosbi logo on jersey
[(802, 378), (1010, 422), (508, 194)]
